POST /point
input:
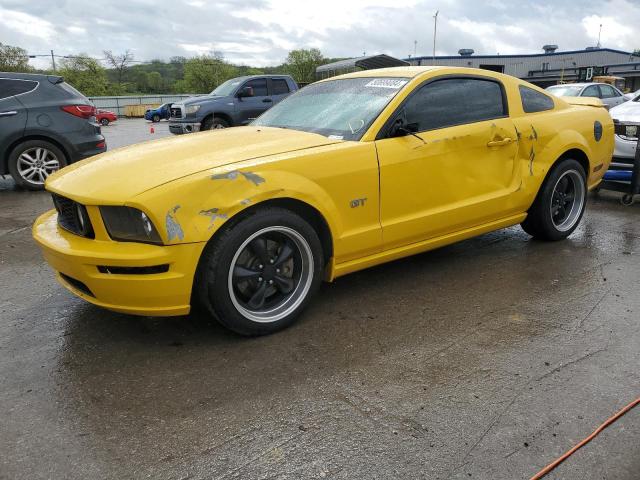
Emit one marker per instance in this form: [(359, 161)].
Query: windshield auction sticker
[(392, 83)]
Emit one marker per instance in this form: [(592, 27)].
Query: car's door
[(460, 171), (611, 96), (251, 107), (279, 89), (13, 114)]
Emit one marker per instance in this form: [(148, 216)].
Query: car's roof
[(406, 72)]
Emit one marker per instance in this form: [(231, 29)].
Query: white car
[(626, 118), (609, 94), (631, 95)]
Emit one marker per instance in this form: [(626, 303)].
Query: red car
[(104, 117)]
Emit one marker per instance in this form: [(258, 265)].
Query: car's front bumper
[(623, 154), (178, 128), (76, 260)]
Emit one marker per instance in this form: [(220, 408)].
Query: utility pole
[(415, 47), (53, 60), (599, 33), (435, 29)]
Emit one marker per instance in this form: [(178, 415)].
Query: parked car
[(626, 118), (104, 117), (235, 102), (163, 112), (347, 173), (631, 95), (45, 124), (609, 94)]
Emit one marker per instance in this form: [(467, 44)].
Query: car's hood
[(202, 99), (117, 176), (626, 112)]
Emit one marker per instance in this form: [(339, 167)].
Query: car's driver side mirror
[(245, 92), (401, 129)]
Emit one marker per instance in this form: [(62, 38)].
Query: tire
[(31, 162), (264, 297), (560, 203), (214, 123), (155, 118), (104, 122)]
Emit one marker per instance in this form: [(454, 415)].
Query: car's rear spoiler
[(584, 101)]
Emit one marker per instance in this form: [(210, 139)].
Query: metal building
[(547, 68)]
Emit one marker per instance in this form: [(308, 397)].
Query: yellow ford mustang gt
[(347, 173)]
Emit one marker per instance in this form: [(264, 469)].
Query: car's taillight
[(102, 144), (82, 111)]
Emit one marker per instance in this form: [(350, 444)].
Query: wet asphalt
[(486, 359)]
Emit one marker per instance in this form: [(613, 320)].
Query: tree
[(85, 74), (154, 81), (119, 63), (202, 74), (301, 64), (13, 59)]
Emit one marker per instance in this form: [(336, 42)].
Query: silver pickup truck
[(235, 102)]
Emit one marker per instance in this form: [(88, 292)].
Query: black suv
[(45, 124)]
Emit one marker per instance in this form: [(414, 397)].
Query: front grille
[(77, 284), (134, 270), (73, 216), (176, 112)]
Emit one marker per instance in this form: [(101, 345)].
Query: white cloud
[(26, 24)]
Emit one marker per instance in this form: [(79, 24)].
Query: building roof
[(367, 63), (527, 55)]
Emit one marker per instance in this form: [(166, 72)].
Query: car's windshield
[(565, 90), (339, 108), (227, 88)]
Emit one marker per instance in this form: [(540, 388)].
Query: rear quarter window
[(534, 101), (10, 87)]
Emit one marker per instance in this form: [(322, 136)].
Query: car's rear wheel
[(155, 118), (104, 122), (31, 162), (560, 203), (259, 274)]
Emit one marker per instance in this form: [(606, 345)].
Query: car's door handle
[(500, 143), (267, 100), (8, 114)]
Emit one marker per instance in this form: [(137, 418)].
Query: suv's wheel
[(155, 118), (31, 162), (260, 273), (104, 122), (560, 203), (211, 123)]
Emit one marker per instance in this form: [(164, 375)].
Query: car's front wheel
[(31, 162), (259, 274), (559, 206), (155, 118), (104, 122)]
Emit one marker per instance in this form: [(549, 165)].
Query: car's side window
[(259, 86), (279, 86), (10, 87), (591, 91), (455, 101), (608, 91), (534, 101)]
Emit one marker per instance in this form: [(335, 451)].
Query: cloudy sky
[(261, 32)]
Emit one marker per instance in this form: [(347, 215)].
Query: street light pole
[(435, 29)]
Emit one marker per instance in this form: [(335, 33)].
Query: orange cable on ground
[(557, 462)]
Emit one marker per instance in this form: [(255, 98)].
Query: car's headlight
[(191, 109), (129, 224)]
